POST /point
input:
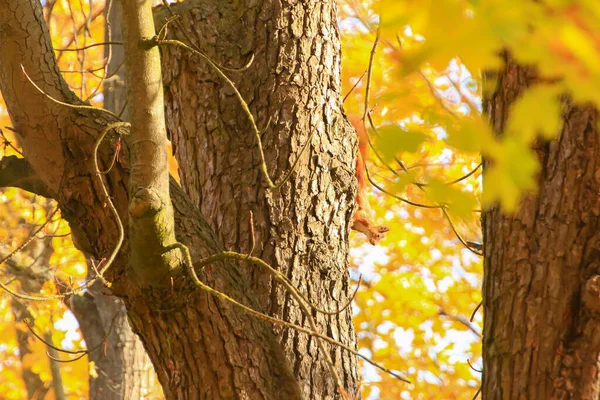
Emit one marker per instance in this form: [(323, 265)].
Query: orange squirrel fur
[(362, 220)]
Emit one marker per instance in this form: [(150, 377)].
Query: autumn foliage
[(415, 74)]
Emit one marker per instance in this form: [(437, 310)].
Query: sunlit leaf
[(393, 140), (537, 111), (92, 369)]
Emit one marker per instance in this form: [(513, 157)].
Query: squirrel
[(362, 220)]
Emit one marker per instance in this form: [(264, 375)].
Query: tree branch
[(151, 226), (16, 172)]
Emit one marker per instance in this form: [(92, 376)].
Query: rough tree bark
[(293, 88), (124, 369), (541, 270), (202, 347)]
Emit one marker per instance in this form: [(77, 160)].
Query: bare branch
[(115, 251), (461, 320), (77, 106), (475, 311), (16, 172), (312, 332), (89, 46), (78, 353), (370, 73)]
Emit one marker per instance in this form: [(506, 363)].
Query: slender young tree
[(123, 370), (265, 153)]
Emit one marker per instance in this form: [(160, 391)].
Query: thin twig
[(367, 115), (280, 182), (73, 37), (475, 311), (109, 51), (251, 311), (114, 158), (273, 272), (252, 238), (243, 104), (79, 357), (459, 236), (277, 275), (109, 202), (89, 46), (473, 368), (348, 303), (187, 37), (412, 203), (370, 72), (86, 33), (437, 96), (354, 86), (219, 70), (79, 353), (463, 97), (77, 106), (302, 302), (29, 239), (461, 320), (41, 339), (246, 109), (462, 178), (8, 143), (121, 233), (422, 187)]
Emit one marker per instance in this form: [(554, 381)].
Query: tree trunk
[(201, 346), (293, 89), (53, 355), (541, 269), (33, 384), (124, 369)]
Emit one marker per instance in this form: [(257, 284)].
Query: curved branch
[(250, 311)]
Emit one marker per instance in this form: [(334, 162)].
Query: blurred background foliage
[(412, 71)]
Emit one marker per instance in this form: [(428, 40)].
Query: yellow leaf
[(461, 203), (394, 140), (92, 369), (537, 111), (511, 175)]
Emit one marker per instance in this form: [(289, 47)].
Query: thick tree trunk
[(293, 89), (201, 346), (541, 279)]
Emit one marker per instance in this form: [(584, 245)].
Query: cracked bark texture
[(541, 270), (202, 347), (293, 89)]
